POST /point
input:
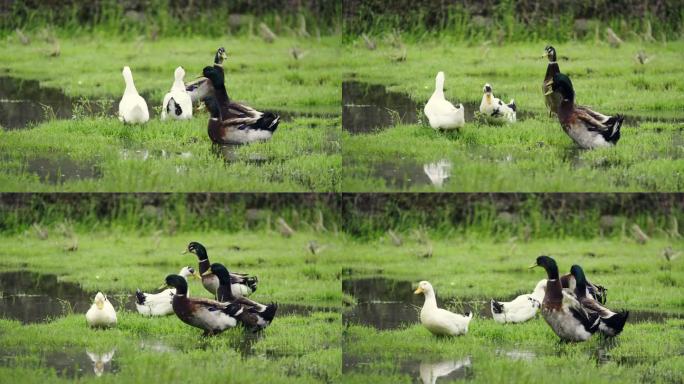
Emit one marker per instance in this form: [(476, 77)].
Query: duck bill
[(418, 291), (99, 304), (207, 272), (532, 266), (196, 276), (163, 286)]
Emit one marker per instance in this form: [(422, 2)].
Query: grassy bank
[(498, 158), (638, 277), (296, 347), (302, 156)]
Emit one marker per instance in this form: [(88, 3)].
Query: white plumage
[(438, 172), (101, 313), (496, 109), (520, 309), (440, 321), (440, 112), (132, 107), (177, 103), (159, 304)]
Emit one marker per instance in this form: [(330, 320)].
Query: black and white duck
[(493, 108), (242, 284), (209, 315), (255, 316), (561, 309), (611, 323), (233, 122), (587, 128), (520, 309), (201, 88), (551, 99), (159, 304)]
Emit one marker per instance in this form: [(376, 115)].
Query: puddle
[(390, 304), (405, 173), (368, 107), (57, 170), (423, 372), (71, 363), (23, 102), (229, 154), (32, 298)]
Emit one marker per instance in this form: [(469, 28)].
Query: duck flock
[(572, 306), (587, 128), (230, 308), (230, 122)]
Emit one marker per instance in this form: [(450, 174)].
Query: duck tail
[(512, 105), (496, 306), (233, 309), (268, 121), (137, 112), (615, 323), (269, 313), (614, 123), (139, 297), (251, 282)]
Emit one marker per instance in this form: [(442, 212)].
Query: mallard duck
[(132, 107), (159, 304), (561, 309), (255, 316), (494, 108), (551, 99), (101, 314), (177, 102), (611, 323), (235, 123), (585, 127), (242, 284), (440, 321), (440, 112), (200, 88), (210, 315), (598, 292), (520, 309)]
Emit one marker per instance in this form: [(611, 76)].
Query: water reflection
[(445, 371), (438, 172), (101, 361)]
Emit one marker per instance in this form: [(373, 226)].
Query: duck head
[(424, 287), (188, 272), (439, 81), (221, 272), (550, 53), (100, 299), (214, 75), (561, 83), (580, 280), (541, 286), (220, 56), (487, 89), (549, 265), (177, 282), (179, 74), (198, 249)]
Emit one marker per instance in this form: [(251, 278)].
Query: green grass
[(294, 347), (534, 154), (637, 278), (302, 156)]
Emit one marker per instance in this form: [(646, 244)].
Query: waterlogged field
[(45, 337), (387, 144), (384, 341), (64, 136)]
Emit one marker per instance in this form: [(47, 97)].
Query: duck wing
[(590, 321)]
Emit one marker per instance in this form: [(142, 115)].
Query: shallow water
[(69, 362), (368, 107), (428, 371), (59, 169)]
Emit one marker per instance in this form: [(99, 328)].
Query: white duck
[(101, 313), (440, 112), (177, 102), (132, 107), (520, 309), (493, 107), (440, 321), (159, 304)]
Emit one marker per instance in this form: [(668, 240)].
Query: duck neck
[(439, 87), (430, 300), (551, 70), (130, 86), (182, 290), (203, 260)]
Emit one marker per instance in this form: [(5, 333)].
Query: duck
[(236, 123), (494, 108), (255, 316), (242, 284), (177, 102), (159, 304), (440, 112), (438, 321), (587, 128), (201, 88), (100, 361), (520, 309), (101, 314), (551, 99), (598, 292), (209, 315), (132, 107), (561, 309), (611, 323)]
